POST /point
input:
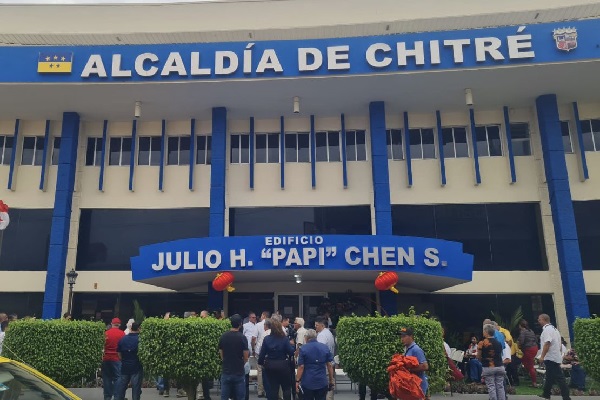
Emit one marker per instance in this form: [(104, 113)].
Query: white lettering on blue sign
[(177, 260), (376, 256), (309, 59), (431, 257), (292, 240)]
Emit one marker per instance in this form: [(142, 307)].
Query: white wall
[(461, 188)]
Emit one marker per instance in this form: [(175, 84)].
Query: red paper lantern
[(4, 217), (386, 281), (223, 281)]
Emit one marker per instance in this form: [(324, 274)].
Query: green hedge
[(66, 351), (183, 349), (366, 346), (587, 345)]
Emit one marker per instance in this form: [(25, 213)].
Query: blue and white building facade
[(304, 147)]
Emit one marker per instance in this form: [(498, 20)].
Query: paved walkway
[(344, 393)]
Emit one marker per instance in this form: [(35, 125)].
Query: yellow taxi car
[(20, 382)]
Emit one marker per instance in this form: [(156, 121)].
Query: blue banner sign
[(329, 252), (416, 52)]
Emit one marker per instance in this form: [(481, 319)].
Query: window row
[(488, 141), (33, 150), (455, 142), (178, 150), (297, 146), (328, 145)]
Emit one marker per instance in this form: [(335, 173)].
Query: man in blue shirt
[(131, 368), (314, 365), (413, 349), (499, 336)]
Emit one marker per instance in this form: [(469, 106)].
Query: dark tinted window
[(203, 149), (501, 237), (33, 150), (394, 144), (25, 241), (566, 136), (6, 143), (328, 146), (422, 144), (55, 151), (520, 139), (356, 148), (109, 237), (149, 150), (120, 151), (588, 232), (240, 148), (333, 143), (591, 134), (351, 220), (93, 152)]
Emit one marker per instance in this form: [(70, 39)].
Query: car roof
[(38, 374)]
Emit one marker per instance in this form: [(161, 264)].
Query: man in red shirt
[(111, 365)]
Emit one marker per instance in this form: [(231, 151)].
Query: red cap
[(116, 321)]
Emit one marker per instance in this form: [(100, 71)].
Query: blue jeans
[(111, 373), (578, 377), (136, 385), (233, 387), (475, 370), (425, 385)]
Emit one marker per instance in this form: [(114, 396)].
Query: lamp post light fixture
[(71, 278)]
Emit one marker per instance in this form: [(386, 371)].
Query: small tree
[(138, 313), (66, 351), (587, 344), (366, 346), (183, 349)]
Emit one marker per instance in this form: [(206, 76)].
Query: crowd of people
[(288, 359), (496, 358)]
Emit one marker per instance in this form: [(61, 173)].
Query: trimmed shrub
[(186, 350), (366, 346), (587, 345), (66, 351)]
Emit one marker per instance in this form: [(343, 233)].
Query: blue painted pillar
[(217, 189), (563, 217), (381, 189), (381, 177), (61, 217)]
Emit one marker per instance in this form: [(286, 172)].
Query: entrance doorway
[(303, 305)]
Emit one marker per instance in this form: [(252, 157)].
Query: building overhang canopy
[(422, 264), (419, 72)]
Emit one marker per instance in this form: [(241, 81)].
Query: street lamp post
[(71, 278)]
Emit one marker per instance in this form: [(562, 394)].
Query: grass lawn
[(525, 389)]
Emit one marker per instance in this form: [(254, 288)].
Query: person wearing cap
[(131, 367), (111, 364), (412, 349)]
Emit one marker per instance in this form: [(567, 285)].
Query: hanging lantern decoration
[(223, 281), (386, 281), (4, 218)]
